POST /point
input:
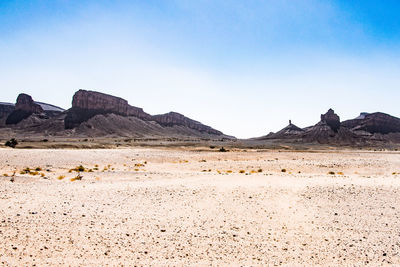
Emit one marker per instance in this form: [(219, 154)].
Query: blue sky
[(243, 67)]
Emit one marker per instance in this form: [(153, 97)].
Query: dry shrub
[(61, 177), (242, 171), (76, 178), (283, 170)]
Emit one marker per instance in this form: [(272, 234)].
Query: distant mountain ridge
[(98, 114), (368, 127)]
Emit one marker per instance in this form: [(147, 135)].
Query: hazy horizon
[(242, 68)]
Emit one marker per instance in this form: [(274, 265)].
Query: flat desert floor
[(183, 207)]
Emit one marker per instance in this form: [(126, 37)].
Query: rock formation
[(24, 107), (87, 104), (331, 119), (175, 119), (290, 131), (374, 123), (26, 103), (5, 110)]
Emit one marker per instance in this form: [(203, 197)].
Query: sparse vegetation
[(77, 178), (11, 143), (222, 149), (79, 168), (139, 165)]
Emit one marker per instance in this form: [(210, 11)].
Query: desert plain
[(199, 207)]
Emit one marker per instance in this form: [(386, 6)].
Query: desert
[(197, 206)]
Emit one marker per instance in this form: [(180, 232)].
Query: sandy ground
[(182, 207)]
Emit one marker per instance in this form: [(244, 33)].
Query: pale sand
[(170, 212)]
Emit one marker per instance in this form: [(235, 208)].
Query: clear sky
[(243, 67)]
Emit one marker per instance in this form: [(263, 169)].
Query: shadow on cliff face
[(76, 116)]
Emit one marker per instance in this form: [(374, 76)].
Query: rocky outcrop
[(331, 119), (26, 103), (87, 104), (24, 107), (5, 110), (374, 123), (175, 119), (290, 131)]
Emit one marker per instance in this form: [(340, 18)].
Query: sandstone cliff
[(24, 107), (374, 123), (5, 110), (331, 119), (87, 104)]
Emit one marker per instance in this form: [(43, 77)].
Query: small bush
[(283, 170), (229, 171), (212, 147), (11, 143), (222, 149), (5, 175), (79, 168), (38, 169), (340, 173), (61, 177), (76, 178), (259, 170), (331, 173), (242, 171)]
